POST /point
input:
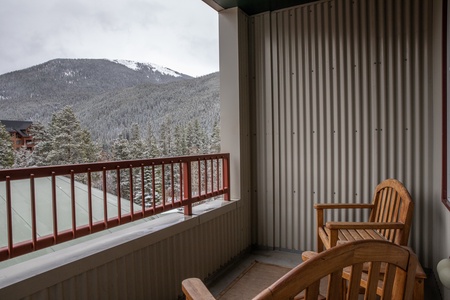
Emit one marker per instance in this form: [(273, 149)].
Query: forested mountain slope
[(181, 102), (108, 96)]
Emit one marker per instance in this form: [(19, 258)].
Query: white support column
[(234, 102)]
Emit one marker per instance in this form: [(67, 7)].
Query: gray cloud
[(181, 35)]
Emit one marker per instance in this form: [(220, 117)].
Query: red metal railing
[(151, 186)]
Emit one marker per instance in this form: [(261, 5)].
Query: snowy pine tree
[(151, 145), (70, 144), (6, 149), (22, 157), (165, 137), (42, 145), (215, 139), (136, 145)]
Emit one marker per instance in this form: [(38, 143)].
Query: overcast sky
[(178, 34)]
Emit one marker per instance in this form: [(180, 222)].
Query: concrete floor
[(290, 259), (280, 258)]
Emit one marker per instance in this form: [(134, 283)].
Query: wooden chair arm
[(364, 225), (194, 289), (342, 205), (308, 255)]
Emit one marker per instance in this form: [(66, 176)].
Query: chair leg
[(319, 244)]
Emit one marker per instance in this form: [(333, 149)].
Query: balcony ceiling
[(252, 7)]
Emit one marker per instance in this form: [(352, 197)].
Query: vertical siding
[(350, 103)]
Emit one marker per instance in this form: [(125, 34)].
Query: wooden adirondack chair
[(390, 218), (347, 260)]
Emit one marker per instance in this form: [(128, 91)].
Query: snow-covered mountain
[(108, 95), (140, 66)]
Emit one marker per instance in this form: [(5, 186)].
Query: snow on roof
[(21, 205)]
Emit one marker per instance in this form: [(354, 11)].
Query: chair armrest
[(194, 289), (364, 225), (342, 205), (308, 255)]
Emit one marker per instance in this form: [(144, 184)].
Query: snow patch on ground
[(69, 73), (127, 63)]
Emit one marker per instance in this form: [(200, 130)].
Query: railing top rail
[(37, 172)]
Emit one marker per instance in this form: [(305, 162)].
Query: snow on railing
[(44, 206)]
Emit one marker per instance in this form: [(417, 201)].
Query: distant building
[(19, 131)]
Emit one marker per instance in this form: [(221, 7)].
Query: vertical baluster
[(206, 176), (142, 189), (217, 174), (212, 175), (181, 174), (153, 188), (172, 183), (33, 211), (90, 199), (119, 203), (199, 172), (163, 175), (54, 209), (105, 199), (72, 202), (131, 192), (9, 215)]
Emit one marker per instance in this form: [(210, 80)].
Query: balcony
[(319, 103), (140, 246)]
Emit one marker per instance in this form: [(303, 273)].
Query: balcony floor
[(289, 260), (227, 276)]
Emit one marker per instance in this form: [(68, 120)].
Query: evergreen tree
[(22, 157), (152, 151), (6, 149), (197, 141), (166, 137), (180, 146), (121, 151), (151, 145), (136, 145), (91, 151), (70, 143), (42, 144), (215, 139)]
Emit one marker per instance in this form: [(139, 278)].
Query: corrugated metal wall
[(143, 263), (342, 95)]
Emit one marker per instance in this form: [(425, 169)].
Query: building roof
[(22, 207), (252, 7), (17, 126)]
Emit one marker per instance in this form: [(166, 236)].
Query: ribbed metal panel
[(342, 99)]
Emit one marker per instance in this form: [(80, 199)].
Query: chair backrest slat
[(393, 203)]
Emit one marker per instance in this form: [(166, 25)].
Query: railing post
[(33, 212), (9, 216), (54, 210), (187, 189), (226, 177), (72, 203)]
